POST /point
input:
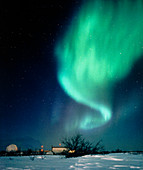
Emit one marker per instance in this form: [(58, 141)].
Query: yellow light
[(72, 151)]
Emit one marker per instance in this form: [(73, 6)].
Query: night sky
[(35, 109)]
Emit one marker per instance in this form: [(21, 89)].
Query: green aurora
[(100, 47)]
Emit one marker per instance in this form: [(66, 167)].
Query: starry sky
[(35, 107)]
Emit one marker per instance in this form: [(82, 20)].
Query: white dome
[(11, 147)]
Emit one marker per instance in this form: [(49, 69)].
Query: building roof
[(58, 147)]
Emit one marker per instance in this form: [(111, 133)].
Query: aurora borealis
[(100, 47), (68, 67)]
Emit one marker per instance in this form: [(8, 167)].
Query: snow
[(110, 161)]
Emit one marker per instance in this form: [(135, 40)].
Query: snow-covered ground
[(111, 161)]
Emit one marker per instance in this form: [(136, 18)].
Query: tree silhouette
[(81, 146)]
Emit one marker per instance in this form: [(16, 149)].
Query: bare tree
[(98, 147), (74, 142), (80, 145)]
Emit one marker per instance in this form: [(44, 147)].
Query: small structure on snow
[(59, 149), (12, 148)]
